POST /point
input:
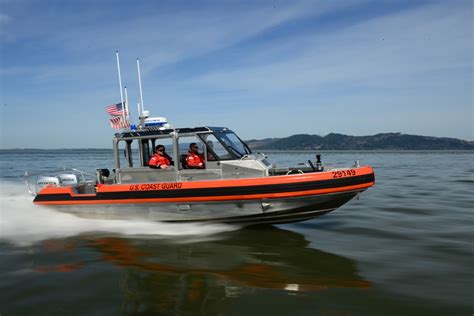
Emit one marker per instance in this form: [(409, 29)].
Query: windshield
[(238, 147)]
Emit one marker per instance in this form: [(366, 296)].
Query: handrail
[(27, 176)]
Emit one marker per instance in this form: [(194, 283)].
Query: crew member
[(194, 160), (210, 148), (160, 160)]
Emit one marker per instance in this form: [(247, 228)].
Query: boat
[(238, 186), (235, 185)]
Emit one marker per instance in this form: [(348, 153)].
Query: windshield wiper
[(239, 154), (247, 149)]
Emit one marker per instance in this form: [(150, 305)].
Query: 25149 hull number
[(343, 173)]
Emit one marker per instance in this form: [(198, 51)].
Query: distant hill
[(385, 141)]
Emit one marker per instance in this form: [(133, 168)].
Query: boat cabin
[(226, 155)]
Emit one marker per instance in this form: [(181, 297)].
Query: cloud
[(226, 60), (382, 52), (4, 19), (159, 36)]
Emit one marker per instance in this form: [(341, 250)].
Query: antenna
[(140, 85), (139, 111), (126, 104), (120, 80)]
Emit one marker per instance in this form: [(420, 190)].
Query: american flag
[(116, 109), (119, 122)]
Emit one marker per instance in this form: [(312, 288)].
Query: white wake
[(22, 222)]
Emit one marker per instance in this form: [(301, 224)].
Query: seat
[(182, 160)]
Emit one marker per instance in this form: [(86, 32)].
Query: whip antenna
[(143, 113), (120, 81), (126, 104), (140, 85)]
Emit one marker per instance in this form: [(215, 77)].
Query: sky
[(263, 68)]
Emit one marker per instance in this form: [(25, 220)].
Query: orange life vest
[(194, 161), (158, 160)]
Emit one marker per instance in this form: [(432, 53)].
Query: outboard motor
[(102, 175), (43, 182), (68, 179)]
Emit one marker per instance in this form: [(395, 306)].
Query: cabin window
[(128, 154), (214, 149), (234, 144)]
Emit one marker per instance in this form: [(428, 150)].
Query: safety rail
[(28, 176)]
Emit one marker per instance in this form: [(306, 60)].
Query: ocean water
[(405, 247)]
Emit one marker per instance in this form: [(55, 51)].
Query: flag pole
[(126, 104), (140, 85), (120, 80)]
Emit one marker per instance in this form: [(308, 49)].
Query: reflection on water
[(270, 258), (404, 248), (174, 275)]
